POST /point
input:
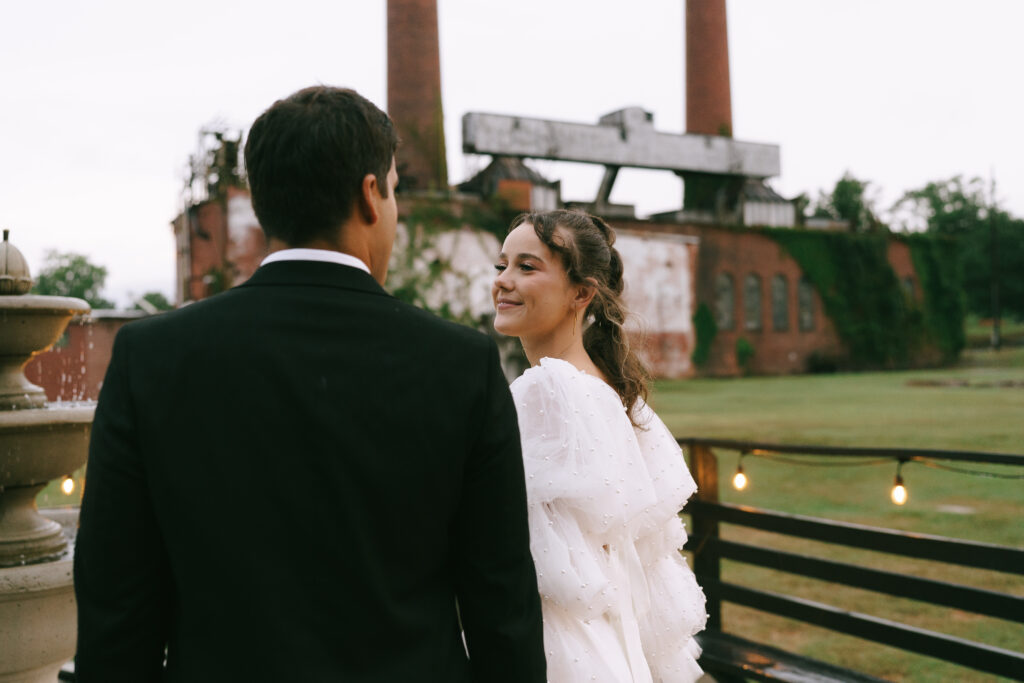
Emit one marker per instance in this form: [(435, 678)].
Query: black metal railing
[(709, 549)]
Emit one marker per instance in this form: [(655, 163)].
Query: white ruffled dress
[(620, 604)]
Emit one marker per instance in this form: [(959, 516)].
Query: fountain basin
[(31, 323), (36, 445), (38, 615)]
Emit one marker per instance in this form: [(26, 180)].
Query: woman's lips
[(503, 305)]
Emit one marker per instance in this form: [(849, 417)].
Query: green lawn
[(969, 407), (862, 409)]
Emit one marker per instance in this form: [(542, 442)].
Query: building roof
[(485, 183), (755, 190)]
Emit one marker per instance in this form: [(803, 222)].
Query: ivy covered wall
[(881, 324), (852, 301)]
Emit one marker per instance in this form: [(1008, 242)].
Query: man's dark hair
[(306, 157)]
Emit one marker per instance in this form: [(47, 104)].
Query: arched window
[(752, 302), (805, 300), (725, 302), (909, 290), (780, 303)]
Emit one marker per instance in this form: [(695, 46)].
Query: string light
[(739, 480), (899, 491), (67, 485)]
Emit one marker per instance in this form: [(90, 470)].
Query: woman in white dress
[(605, 478)]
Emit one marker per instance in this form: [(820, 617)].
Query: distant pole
[(994, 274)]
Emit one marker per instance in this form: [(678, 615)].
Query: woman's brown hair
[(585, 245)]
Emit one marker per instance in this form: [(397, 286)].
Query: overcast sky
[(101, 102)]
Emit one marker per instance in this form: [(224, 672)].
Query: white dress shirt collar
[(316, 255)]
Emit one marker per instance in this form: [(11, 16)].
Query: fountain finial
[(14, 273), (29, 324)]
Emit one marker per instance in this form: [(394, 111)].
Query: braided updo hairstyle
[(585, 245)]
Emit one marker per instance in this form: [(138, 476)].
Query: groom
[(304, 479)]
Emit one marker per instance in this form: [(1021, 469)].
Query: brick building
[(755, 291), (74, 367), (675, 262), (219, 244)]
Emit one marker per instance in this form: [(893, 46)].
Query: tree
[(958, 209), (153, 302), (850, 201), (951, 207), (70, 274)]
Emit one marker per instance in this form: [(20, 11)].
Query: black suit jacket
[(296, 480)]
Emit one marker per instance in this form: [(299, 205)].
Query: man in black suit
[(304, 479)]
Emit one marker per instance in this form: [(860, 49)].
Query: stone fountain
[(38, 443)]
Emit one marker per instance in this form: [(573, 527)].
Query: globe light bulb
[(67, 486), (899, 492), (739, 480)]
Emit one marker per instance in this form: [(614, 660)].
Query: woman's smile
[(504, 303)]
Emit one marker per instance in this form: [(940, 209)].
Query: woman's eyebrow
[(526, 255), (522, 257)]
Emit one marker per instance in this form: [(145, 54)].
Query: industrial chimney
[(414, 94), (709, 104), (708, 99)]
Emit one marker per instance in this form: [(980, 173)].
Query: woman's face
[(531, 293)]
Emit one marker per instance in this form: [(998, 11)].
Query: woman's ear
[(585, 293), (369, 196)]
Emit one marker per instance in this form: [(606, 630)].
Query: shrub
[(744, 353), (705, 328)]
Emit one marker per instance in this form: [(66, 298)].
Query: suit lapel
[(314, 274)]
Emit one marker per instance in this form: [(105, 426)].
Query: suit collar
[(303, 254), (314, 274)]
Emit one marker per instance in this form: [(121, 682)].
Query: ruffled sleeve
[(676, 605), (661, 531), (581, 468), (579, 449)]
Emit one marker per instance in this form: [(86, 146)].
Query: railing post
[(706, 562)]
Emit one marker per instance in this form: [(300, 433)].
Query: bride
[(605, 478)]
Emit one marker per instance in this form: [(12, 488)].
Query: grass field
[(978, 405)]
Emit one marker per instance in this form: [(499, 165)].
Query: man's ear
[(369, 198), (585, 293)]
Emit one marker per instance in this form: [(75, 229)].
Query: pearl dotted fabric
[(620, 604)]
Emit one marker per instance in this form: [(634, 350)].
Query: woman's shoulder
[(557, 402), (547, 371), (554, 378)]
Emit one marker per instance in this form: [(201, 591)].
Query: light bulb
[(739, 480), (67, 486), (899, 492)]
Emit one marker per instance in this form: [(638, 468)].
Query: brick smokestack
[(708, 100), (709, 105), (414, 94)]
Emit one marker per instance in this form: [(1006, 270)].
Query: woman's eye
[(526, 266), (500, 267)]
